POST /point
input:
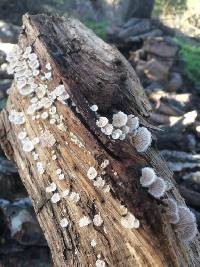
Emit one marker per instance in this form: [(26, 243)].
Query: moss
[(190, 54), (99, 28)]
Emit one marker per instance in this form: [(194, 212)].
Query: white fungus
[(142, 139), (102, 122), (84, 221), (36, 72), (26, 90), (148, 177), (35, 140), (99, 182), (48, 66), (64, 223), (132, 123), (22, 135), (100, 263), (93, 243), (54, 157), (32, 56), (129, 221), (106, 189), (48, 75), (105, 163), (47, 139), (58, 171), (97, 220), (16, 117), (35, 156), (125, 129), (94, 108), (55, 198), (186, 216), (116, 134), (44, 115), (188, 232), (28, 145), (60, 89), (122, 137), (91, 173), (186, 227), (51, 188), (158, 188), (65, 193), (119, 119), (21, 84), (171, 210), (108, 129), (75, 197), (40, 167), (61, 176)]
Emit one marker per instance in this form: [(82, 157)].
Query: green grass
[(99, 28), (190, 54)]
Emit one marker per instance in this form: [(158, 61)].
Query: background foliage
[(170, 6)]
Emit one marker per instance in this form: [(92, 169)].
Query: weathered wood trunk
[(93, 72)]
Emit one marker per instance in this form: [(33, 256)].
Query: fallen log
[(84, 185)]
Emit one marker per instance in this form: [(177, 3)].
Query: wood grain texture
[(92, 72)]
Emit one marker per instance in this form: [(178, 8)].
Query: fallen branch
[(84, 222)]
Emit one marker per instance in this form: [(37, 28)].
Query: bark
[(93, 73)]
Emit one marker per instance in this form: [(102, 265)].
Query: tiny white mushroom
[(94, 108), (100, 263), (119, 119), (132, 123), (105, 163), (64, 223), (142, 139), (116, 134), (148, 177), (91, 173), (108, 129), (75, 197), (32, 56), (93, 243), (40, 167), (55, 198), (99, 182), (84, 221), (54, 157), (28, 146), (171, 210), (48, 66), (97, 220), (35, 156), (158, 188), (129, 221), (122, 137), (102, 122), (35, 140), (44, 115), (48, 75), (61, 176), (106, 189), (58, 171), (186, 227), (65, 193), (22, 135), (51, 188)]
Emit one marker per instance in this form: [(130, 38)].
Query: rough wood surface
[(92, 72)]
